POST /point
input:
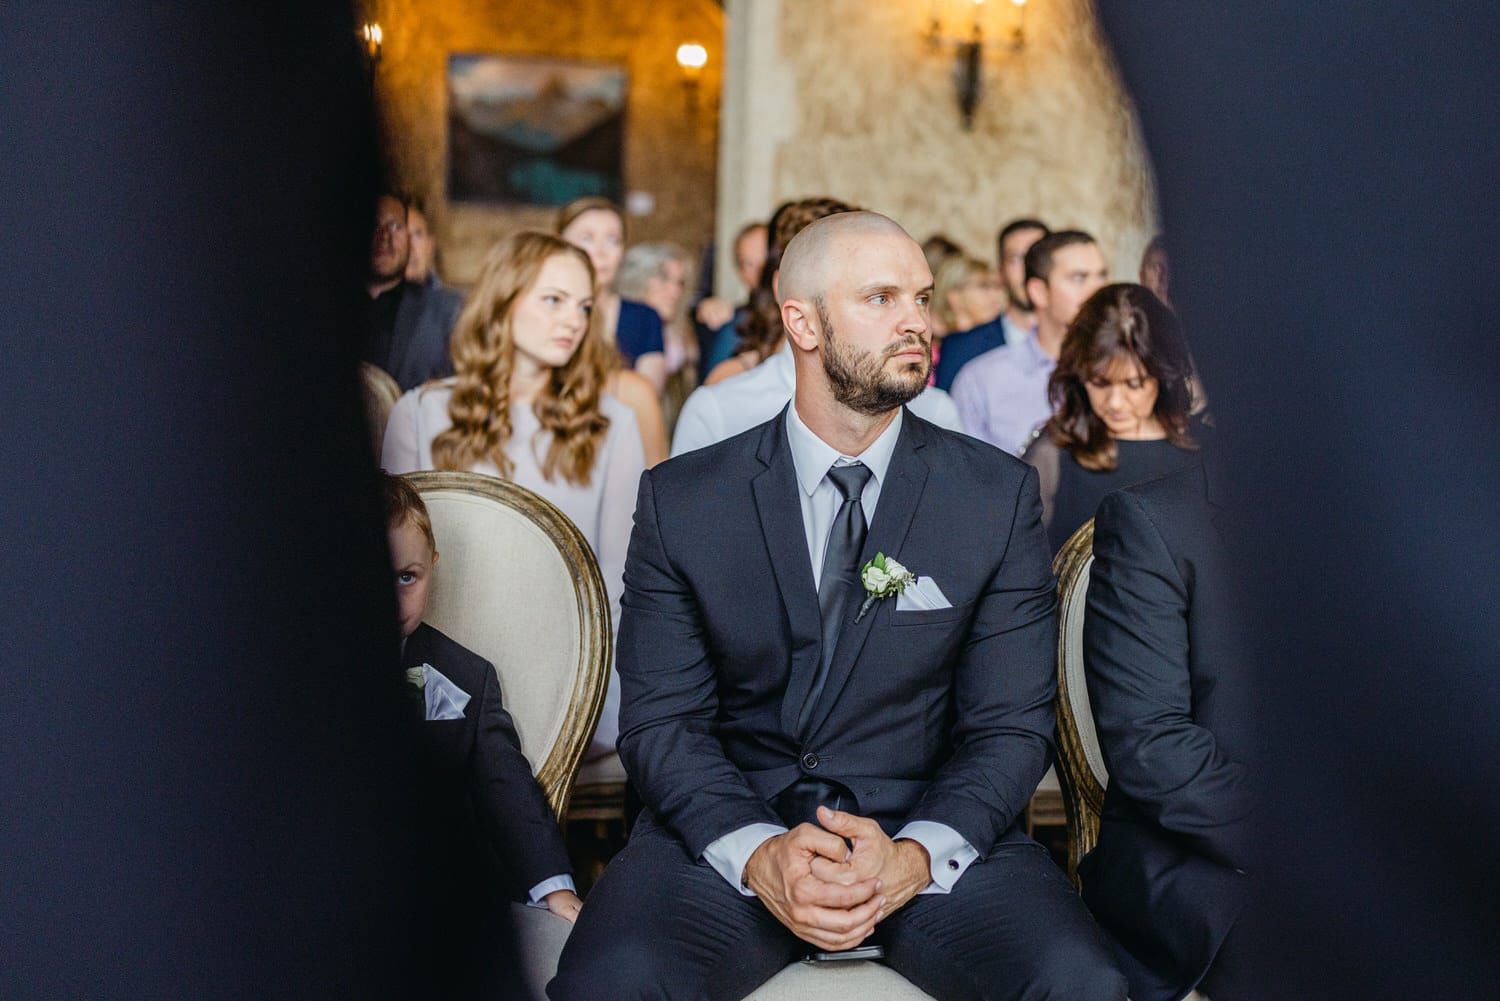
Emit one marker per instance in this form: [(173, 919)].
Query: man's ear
[(799, 319), (1039, 294), (435, 555)]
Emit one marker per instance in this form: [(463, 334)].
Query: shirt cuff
[(949, 853), (538, 892), (731, 853)]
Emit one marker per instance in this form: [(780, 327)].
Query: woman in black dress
[(1121, 402)]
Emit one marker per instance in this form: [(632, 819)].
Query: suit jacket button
[(809, 760)]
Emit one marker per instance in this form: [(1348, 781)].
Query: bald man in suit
[(821, 767)]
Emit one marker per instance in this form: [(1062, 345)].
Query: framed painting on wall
[(526, 130)]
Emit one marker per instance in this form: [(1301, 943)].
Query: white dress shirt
[(812, 457), (714, 413)]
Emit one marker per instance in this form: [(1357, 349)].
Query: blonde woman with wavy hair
[(529, 403)]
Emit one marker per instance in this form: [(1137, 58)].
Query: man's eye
[(406, 578), (880, 299), (923, 299)]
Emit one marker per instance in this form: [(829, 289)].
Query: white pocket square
[(922, 595), (445, 700)]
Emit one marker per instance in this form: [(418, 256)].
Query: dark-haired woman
[(1121, 403)]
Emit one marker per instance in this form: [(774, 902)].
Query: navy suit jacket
[(418, 345), (963, 347), (480, 801), (1168, 692), (941, 715)]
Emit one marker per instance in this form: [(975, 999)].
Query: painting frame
[(534, 130)]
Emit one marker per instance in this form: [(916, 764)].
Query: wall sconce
[(968, 64), (691, 58), (372, 36)]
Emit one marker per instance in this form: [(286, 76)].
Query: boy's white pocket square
[(922, 595), (445, 700)]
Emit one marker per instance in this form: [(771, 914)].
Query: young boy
[(475, 770)]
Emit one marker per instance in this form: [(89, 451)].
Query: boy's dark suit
[(941, 715), (477, 778), (1168, 695), (489, 834)]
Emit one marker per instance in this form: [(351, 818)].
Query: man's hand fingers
[(837, 923), (847, 825), (841, 873), (814, 841), (813, 892)]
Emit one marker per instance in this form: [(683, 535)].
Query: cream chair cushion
[(516, 583), (853, 979)]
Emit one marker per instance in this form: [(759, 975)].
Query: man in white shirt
[(1002, 394), (829, 756), (723, 410)]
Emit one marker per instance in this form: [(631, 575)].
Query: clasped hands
[(828, 893)]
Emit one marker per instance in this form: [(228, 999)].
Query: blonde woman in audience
[(656, 274), (966, 292), (597, 227), (528, 403)]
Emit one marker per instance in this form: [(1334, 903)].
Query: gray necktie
[(840, 571)]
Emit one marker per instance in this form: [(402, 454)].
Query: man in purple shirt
[(1002, 394)]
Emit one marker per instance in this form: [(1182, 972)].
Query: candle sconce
[(968, 64)]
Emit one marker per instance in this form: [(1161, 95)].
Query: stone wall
[(867, 112), (671, 131)]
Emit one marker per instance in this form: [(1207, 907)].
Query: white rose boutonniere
[(417, 676), (882, 577)]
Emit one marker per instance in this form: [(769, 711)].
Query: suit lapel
[(414, 655), (900, 495), (404, 330), (780, 511)]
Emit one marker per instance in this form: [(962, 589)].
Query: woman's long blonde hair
[(483, 348)]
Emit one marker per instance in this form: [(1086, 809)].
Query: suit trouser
[(661, 925)]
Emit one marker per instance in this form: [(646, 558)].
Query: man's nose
[(915, 319)]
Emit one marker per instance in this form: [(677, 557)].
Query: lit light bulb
[(692, 56)]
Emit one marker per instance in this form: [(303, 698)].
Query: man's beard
[(859, 379), (1017, 298)]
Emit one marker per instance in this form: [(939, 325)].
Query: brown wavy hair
[(761, 328), (1123, 320), (483, 349)]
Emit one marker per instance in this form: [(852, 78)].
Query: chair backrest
[(1081, 771), (517, 583), (381, 393)]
